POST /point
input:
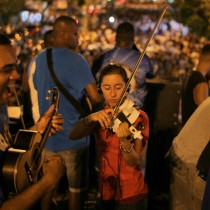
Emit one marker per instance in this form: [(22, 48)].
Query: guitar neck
[(40, 148), (55, 100), (45, 135)]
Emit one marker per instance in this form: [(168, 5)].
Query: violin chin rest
[(136, 133)]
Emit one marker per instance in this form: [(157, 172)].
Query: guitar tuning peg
[(49, 91), (48, 98)]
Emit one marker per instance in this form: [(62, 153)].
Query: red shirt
[(117, 180)]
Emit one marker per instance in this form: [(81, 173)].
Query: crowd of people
[(173, 50), (122, 132)]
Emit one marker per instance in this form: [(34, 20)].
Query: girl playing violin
[(121, 182)]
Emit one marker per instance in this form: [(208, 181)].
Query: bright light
[(17, 37), (32, 18), (38, 17), (91, 9), (24, 16), (111, 19)]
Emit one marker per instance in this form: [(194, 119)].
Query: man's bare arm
[(53, 169)]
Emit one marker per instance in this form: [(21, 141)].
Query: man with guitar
[(53, 167)]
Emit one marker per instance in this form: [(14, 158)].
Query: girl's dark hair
[(4, 40), (112, 68)]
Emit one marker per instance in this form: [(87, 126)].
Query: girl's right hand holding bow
[(103, 117)]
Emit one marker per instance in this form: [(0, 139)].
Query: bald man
[(73, 71)]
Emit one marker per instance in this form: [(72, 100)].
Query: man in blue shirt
[(126, 53), (73, 71)]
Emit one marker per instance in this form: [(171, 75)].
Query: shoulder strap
[(65, 92)]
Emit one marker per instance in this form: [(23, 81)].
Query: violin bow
[(140, 59)]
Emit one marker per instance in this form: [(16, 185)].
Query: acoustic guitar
[(22, 162)]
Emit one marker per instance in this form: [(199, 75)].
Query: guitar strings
[(21, 113)]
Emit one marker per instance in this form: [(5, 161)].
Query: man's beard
[(7, 95)]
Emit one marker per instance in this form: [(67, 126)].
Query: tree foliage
[(195, 14)]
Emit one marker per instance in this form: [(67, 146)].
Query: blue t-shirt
[(73, 71)]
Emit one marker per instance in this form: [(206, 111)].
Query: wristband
[(127, 150), (130, 138)]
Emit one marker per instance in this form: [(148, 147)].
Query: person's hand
[(56, 122), (103, 117), (124, 135), (123, 131), (53, 169)]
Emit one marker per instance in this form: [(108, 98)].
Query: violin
[(125, 110), (127, 113)]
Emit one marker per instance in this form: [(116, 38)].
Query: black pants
[(112, 205)]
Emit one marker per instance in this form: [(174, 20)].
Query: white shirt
[(33, 91), (194, 136)]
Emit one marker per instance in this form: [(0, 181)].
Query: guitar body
[(21, 165), (22, 162)]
